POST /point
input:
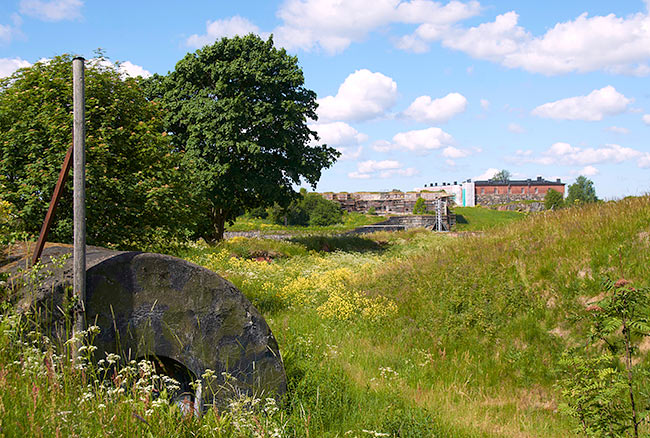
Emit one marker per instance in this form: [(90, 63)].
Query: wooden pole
[(79, 197)]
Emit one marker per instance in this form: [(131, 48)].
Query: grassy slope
[(471, 346), (421, 334), (350, 222), (478, 218)]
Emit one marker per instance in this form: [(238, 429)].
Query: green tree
[(238, 109), (419, 207), (132, 181), (553, 200), (581, 191), (321, 211), (501, 176)]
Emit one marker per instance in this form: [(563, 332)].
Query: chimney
[(558, 181), (539, 178), (436, 184), (455, 183)]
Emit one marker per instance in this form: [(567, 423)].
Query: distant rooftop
[(521, 182)]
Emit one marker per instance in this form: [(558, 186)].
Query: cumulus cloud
[(218, 29), (618, 129), (609, 43), (588, 171), (452, 152), (53, 10), (363, 95), (10, 65), (421, 141), (592, 107), (646, 119), (427, 110), (341, 136), (515, 128), (130, 69), (332, 25), (564, 154), (489, 173), (381, 169)]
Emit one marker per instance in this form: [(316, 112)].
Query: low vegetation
[(407, 334), (479, 218)]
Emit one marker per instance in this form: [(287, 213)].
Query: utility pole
[(79, 196)]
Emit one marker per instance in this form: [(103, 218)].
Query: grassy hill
[(417, 334)]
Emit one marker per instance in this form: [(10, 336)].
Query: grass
[(350, 222), (479, 218), (411, 334)]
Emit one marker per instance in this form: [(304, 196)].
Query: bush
[(310, 209), (419, 207), (553, 200)]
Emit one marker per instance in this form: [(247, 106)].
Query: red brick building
[(503, 192)]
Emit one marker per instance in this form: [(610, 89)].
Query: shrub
[(553, 200), (419, 207)]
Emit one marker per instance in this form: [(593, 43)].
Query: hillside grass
[(480, 219), (350, 222), (409, 334)]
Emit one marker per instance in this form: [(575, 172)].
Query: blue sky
[(411, 91)]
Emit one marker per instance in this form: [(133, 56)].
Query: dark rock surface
[(151, 304)]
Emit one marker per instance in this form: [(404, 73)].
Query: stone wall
[(492, 199)]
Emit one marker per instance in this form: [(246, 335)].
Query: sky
[(411, 92)]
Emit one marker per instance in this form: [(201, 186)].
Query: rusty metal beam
[(49, 218)]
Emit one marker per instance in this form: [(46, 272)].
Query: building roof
[(521, 182)]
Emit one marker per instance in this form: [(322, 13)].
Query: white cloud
[(485, 104), (597, 104), (515, 128), (130, 69), (564, 154), (53, 10), (610, 43), (452, 152), (425, 109), (646, 119), (10, 65), (381, 169), (338, 134), (589, 171), (218, 29), (342, 136), (333, 25), (489, 173), (420, 141), (363, 95), (618, 130)]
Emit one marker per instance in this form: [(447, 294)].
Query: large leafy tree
[(132, 183), (238, 110), (581, 191)]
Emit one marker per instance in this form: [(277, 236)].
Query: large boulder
[(153, 305)]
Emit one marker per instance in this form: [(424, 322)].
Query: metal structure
[(79, 206)]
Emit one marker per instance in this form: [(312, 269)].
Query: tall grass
[(426, 335)]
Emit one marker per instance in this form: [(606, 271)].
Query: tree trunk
[(218, 223)]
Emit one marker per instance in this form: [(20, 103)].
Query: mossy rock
[(153, 305)]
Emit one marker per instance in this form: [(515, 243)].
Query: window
[(536, 190), (495, 190), (523, 190), (482, 191)]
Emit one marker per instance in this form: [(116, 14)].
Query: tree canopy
[(582, 191), (238, 110), (501, 176), (553, 200), (132, 177)]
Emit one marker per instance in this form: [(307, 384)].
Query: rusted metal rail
[(49, 218)]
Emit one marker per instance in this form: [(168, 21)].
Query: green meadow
[(406, 334)]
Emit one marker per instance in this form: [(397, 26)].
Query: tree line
[(172, 156)]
